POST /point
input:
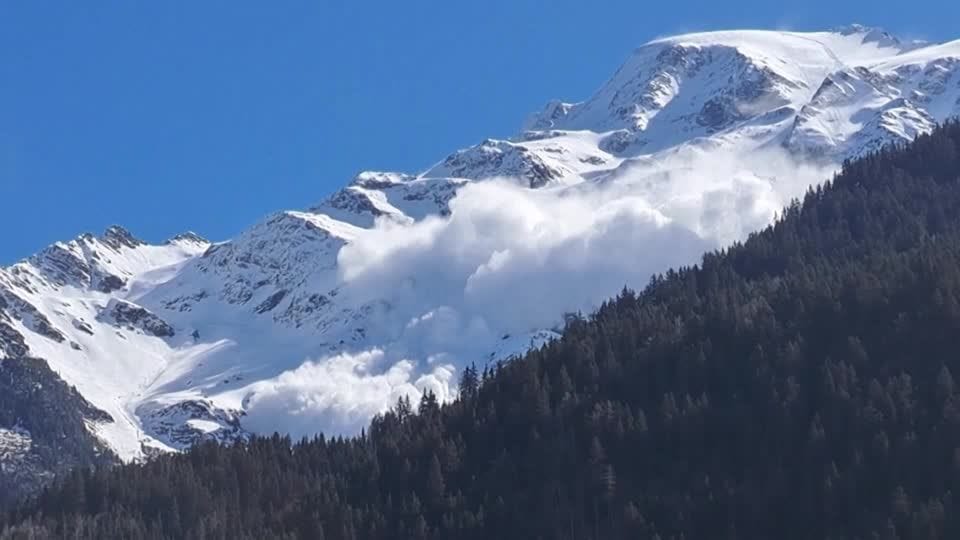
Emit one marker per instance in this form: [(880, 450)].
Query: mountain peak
[(379, 179), (116, 236), (857, 28), (188, 237)]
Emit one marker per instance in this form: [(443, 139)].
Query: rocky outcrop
[(62, 265), (493, 158), (117, 237), (188, 237), (133, 317), (43, 428), (110, 283), (31, 317), (12, 344), (271, 302), (186, 423)]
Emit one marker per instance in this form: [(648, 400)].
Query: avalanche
[(315, 320)]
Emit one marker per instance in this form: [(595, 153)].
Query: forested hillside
[(801, 385), (43, 428)]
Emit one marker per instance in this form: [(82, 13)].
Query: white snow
[(14, 443)]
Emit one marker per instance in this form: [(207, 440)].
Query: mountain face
[(315, 320), (44, 429)]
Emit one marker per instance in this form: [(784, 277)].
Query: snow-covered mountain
[(315, 320)]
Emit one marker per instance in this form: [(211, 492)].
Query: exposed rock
[(354, 200), (493, 158), (380, 180), (63, 265), (271, 302), (717, 113), (553, 113), (189, 422), (110, 283), (303, 307), (132, 316), (82, 326), (12, 344), (32, 318), (188, 236), (617, 142), (185, 303), (117, 237), (528, 136)]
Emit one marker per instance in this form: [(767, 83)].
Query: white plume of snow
[(497, 266), (340, 393)]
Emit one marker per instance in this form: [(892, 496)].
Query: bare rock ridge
[(133, 317)]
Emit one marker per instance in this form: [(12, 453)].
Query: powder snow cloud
[(338, 394), (510, 260)]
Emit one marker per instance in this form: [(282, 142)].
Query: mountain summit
[(315, 320)]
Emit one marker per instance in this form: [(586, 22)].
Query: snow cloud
[(513, 259), (338, 394), (508, 261)]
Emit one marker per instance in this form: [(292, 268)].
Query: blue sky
[(205, 116)]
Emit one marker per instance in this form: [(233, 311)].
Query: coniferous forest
[(802, 384)]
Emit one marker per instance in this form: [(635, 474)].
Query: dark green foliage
[(801, 385)]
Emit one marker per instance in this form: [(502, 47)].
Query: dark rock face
[(351, 200), (120, 313), (84, 262), (302, 306), (188, 236), (618, 142), (44, 425), (717, 113), (173, 424), (62, 266), (553, 113), (110, 283), (499, 158), (376, 180), (185, 303), (12, 344), (439, 194), (42, 326), (271, 302), (83, 326), (31, 317), (117, 237)]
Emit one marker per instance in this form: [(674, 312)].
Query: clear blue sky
[(205, 116)]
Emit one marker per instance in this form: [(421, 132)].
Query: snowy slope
[(317, 319), (58, 305)]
